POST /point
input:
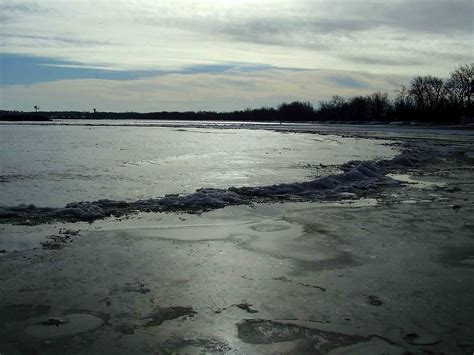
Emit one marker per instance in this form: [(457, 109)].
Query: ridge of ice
[(357, 177)]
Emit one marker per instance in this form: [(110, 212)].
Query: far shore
[(8, 116)]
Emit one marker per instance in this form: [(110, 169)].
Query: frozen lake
[(52, 165), (375, 258)]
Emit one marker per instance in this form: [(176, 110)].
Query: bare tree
[(296, 110), (460, 86), (379, 105), (427, 92), (402, 99), (36, 107)]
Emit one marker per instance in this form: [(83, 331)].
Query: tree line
[(426, 99)]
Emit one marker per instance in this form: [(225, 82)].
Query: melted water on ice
[(55, 165)]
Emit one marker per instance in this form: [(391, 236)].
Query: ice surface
[(357, 178), (54, 165), (408, 179)]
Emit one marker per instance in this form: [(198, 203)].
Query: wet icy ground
[(388, 273), (51, 165)]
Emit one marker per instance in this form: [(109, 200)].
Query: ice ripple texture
[(357, 178), (54, 165)]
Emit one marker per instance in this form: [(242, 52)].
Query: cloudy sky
[(148, 55)]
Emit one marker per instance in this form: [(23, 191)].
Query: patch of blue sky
[(23, 69), (19, 69), (346, 81)]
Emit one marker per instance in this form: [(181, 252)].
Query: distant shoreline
[(33, 117), (150, 122), (47, 117)]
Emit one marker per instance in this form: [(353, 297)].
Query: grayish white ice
[(50, 165)]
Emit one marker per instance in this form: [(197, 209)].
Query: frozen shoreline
[(388, 274), (358, 179), (72, 164)]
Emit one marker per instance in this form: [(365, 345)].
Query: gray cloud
[(456, 57), (307, 27), (433, 16), (18, 7), (59, 39), (280, 30), (11, 12), (396, 36), (292, 32), (382, 61)]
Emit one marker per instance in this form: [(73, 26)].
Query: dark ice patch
[(130, 287), (246, 307), (21, 312), (374, 300), (260, 331), (162, 314), (457, 256), (207, 346)]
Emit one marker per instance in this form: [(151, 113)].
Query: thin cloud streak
[(61, 40)]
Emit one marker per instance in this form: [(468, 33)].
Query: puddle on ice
[(260, 228), (408, 179), (274, 210), (191, 233)]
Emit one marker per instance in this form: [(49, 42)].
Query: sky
[(223, 55)]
